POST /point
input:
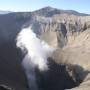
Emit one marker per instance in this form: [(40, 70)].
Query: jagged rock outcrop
[(64, 25)]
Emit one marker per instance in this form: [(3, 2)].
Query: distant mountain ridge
[(4, 12), (49, 11)]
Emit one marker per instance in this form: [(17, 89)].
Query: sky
[(32, 5)]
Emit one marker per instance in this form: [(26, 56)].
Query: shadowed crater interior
[(58, 77)]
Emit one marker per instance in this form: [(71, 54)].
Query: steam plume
[(37, 53)]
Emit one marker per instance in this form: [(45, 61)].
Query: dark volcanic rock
[(11, 72), (56, 78), (3, 87)]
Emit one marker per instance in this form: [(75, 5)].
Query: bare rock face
[(64, 25), (77, 52)]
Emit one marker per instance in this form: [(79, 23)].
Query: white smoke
[(37, 53)]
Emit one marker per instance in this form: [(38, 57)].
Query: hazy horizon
[(81, 6)]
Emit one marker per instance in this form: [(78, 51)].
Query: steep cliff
[(65, 26)]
